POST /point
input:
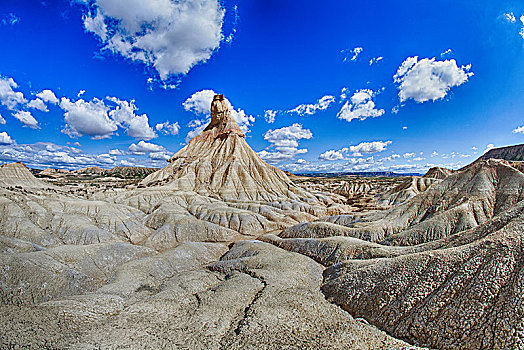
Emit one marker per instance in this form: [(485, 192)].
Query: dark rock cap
[(221, 119)]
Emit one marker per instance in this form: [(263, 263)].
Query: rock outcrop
[(54, 173), (438, 173), (95, 170), (466, 294), (17, 174), (406, 190), (353, 188), (443, 269), (129, 172), (254, 296), (510, 153), (463, 200), (34, 211), (123, 172)]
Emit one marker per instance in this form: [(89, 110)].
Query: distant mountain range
[(124, 172), (361, 174), (510, 153)]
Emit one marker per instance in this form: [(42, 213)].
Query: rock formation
[(217, 186), (413, 186), (220, 164), (49, 172), (110, 269), (438, 173), (464, 291), (124, 172), (350, 189), (129, 172), (447, 268), (510, 153), (95, 170), (254, 296), (406, 190), (17, 174)]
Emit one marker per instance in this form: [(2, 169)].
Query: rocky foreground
[(221, 251)]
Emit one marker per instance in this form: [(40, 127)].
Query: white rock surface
[(220, 250)]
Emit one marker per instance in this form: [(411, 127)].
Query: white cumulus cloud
[(168, 128), (46, 154), (96, 24), (332, 155), (446, 53), (143, 147), (88, 118), (375, 60), (391, 157), (38, 104), (200, 102), (285, 142), (309, 109), (2, 120), (48, 96), (269, 116), (510, 17), (352, 54), (428, 79), (116, 152), (5, 139), (357, 150), (369, 147), (171, 36), (360, 106), (100, 119), (27, 119), (124, 115), (8, 97), (160, 155), (521, 32), (519, 130)]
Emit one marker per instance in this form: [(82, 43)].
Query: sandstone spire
[(221, 120), (219, 163)]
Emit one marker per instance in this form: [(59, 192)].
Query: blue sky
[(331, 86)]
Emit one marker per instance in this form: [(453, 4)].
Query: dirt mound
[(438, 173), (17, 174), (89, 171), (406, 190)]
